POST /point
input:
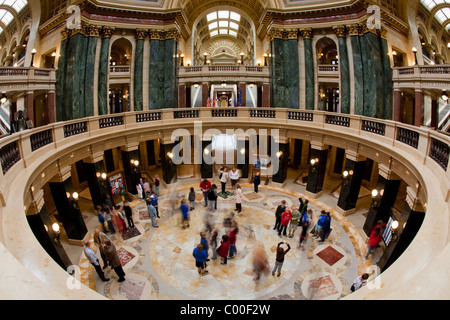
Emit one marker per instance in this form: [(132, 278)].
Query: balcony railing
[(233, 73), (21, 78), (424, 152), (422, 77)]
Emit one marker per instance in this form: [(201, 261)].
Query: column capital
[(140, 34), (107, 32), (354, 29), (306, 33), (94, 31), (340, 31)]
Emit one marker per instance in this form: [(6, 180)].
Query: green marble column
[(309, 70), (156, 75), (291, 74), (60, 81), (387, 80), (89, 76), (163, 76), (103, 66), (358, 75), (373, 81), (344, 68), (80, 76), (278, 76), (170, 74), (138, 74), (285, 78)]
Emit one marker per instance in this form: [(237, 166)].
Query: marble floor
[(159, 265)]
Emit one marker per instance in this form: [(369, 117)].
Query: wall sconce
[(3, 100), (103, 175), (394, 227), (57, 238), (33, 52), (258, 63), (252, 84), (208, 62), (314, 163), (135, 162), (243, 151), (196, 85), (394, 56), (414, 50), (224, 84), (239, 61), (376, 197), (279, 154), (170, 155), (347, 176), (444, 95)]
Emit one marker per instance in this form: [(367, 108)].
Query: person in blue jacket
[(326, 227), (200, 256), (154, 199)]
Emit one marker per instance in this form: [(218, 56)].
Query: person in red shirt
[(375, 237), (205, 185), (285, 218), (222, 251)]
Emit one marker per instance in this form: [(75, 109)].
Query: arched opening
[(327, 53), (121, 51)]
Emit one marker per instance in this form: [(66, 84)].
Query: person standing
[(100, 217), (280, 209), (200, 254), (113, 258), (326, 227), (157, 185), (223, 177), (234, 177), (212, 197), (359, 282), (318, 227), (293, 224), (213, 243), (204, 243), (99, 238), (140, 188), (205, 185), (90, 255), (374, 238), (280, 257), (303, 207), (152, 212), (285, 219), (154, 199), (184, 214), (128, 214), (223, 249), (191, 198), (232, 238), (108, 218), (256, 181), (305, 222), (238, 197)]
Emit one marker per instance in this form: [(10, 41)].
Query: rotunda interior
[(166, 124)]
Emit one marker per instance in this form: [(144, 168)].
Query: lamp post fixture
[(414, 50), (265, 59), (33, 52), (242, 58), (205, 54)]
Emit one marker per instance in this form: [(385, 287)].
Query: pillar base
[(278, 184), (313, 195), (345, 213)]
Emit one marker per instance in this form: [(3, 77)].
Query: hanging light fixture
[(444, 95)]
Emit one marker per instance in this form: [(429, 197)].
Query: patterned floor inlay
[(158, 262)]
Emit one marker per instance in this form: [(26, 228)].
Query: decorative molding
[(306, 33), (340, 31)]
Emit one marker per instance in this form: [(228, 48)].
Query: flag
[(208, 101), (240, 97)]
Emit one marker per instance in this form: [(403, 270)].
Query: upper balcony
[(26, 79), (427, 77), (238, 73)]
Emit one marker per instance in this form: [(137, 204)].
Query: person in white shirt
[(234, 177), (359, 282), (90, 255), (223, 177)]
